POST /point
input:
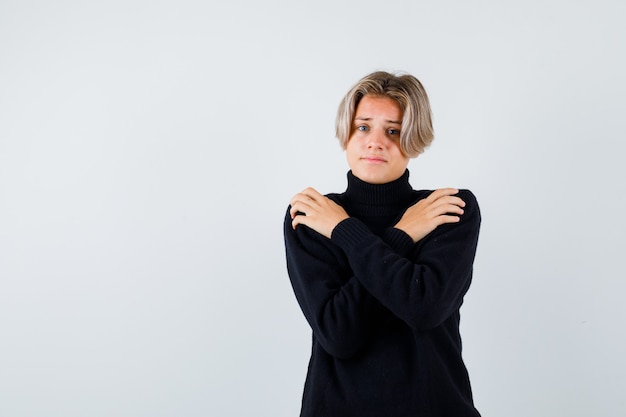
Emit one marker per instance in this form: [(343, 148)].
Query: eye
[(362, 128), (393, 132)]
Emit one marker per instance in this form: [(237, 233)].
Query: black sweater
[(384, 311)]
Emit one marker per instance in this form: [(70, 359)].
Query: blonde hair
[(416, 133)]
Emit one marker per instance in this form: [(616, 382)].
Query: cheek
[(396, 148), (351, 154), (351, 145)]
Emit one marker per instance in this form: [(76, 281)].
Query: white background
[(148, 150)]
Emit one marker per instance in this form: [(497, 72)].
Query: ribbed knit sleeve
[(426, 287), (398, 240), (334, 302)]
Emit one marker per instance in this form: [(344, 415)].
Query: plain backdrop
[(148, 151)]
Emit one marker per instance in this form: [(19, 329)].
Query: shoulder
[(302, 235), (466, 195), (471, 202), (471, 209), (471, 212), (305, 243), (337, 198)]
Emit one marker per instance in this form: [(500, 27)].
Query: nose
[(376, 140)]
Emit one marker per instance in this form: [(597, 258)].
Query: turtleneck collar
[(392, 194)]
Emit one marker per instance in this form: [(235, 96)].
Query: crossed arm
[(341, 283), (321, 214)]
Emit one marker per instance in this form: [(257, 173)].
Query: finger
[(452, 209), (449, 201), (443, 202), (299, 197), (447, 219), (312, 193), (442, 192), (304, 200), (299, 207), (444, 208), (293, 211), (297, 220), (307, 195)]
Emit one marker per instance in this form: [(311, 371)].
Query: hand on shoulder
[(442, 206), (316, 211)]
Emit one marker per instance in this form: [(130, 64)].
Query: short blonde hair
[(416, 133)]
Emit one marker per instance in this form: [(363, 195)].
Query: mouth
[(373, 159)]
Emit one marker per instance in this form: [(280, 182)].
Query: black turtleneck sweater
[(384, 311)]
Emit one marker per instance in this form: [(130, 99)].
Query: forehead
[(371, 107)]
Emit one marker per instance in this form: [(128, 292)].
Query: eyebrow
[(365, 119)]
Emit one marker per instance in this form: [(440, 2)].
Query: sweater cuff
[(399, 241), (349, 232)]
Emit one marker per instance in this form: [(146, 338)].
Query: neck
[(388, 194), (377, 205)]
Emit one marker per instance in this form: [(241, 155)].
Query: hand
[(316, 211), (427, 214)]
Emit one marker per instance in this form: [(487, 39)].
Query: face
[(373, 150)]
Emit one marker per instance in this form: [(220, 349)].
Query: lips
[(375, 159)]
